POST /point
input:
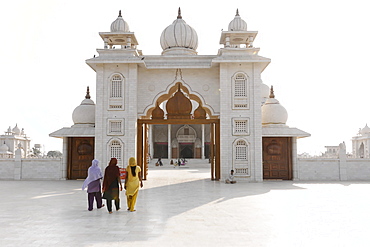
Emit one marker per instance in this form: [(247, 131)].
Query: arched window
[(116, 87), (240, 91), (240, 158), (362, 150), (240, 86), (116, 92), (115, 150), (241, 150)]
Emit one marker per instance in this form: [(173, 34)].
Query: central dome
[(179, 38)]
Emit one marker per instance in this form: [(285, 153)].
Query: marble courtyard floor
[(183, 207)]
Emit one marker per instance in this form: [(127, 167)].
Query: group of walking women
[(112, 185)]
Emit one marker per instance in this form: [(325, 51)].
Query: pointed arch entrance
[(179, 112)]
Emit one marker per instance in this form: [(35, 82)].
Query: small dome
[(238, 24), (273, 112), (365, 130), (85, 113), (179, 35), (4, 148), (157, 113), (16, 130), (119, 25), (200, 113)]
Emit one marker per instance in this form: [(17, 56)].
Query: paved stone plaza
[(183, 207)]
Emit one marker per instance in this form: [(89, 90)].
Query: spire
[(272, 95), (119, 14), (87, 93), (237, 12), (179, 14)]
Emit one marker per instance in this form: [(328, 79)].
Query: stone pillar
[(342, 162), (202, 155), (256, 126), (151, 142), (131, 120), (169, 147), (18, 164), (295, 164), (64, 165), (227, 41), (129, 42)]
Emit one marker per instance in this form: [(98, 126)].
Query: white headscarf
[(94, 173)]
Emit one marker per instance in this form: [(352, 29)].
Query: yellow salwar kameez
[(132, 183)]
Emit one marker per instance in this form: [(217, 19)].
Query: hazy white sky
[(319, 51)]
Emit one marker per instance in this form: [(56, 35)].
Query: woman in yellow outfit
[(132, 183)]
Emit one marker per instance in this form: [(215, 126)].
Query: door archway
[(214, 146), (179, 111), (186, 151)]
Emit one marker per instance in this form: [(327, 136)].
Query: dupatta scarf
[(93, 173), (132, 181), (111, 174)]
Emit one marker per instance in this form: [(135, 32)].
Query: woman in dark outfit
[(110, 185)]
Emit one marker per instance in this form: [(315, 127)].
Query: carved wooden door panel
[(80, 155), (277, 158)]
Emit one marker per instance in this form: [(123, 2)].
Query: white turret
[(237, 35), (119, 35)]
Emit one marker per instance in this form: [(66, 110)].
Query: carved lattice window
[(116, 87), (241, 150), (240, 92), (116, 150)]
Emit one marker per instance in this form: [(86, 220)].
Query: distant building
[(361, 143), (331, 152), (12, 140)]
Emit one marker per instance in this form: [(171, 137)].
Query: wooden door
[(80, 156), (160, 150), (277, 158)]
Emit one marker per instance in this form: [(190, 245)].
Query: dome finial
[(272, 95), (237, 12), (87, 93), (179, 14), (119, 14)]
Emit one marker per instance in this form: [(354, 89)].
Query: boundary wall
[(331, 169), (32, 169), (306, 169)]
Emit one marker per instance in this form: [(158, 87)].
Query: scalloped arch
[(165, 96)]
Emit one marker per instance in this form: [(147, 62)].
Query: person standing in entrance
[(92, 183), (110, 185), (132, 183)]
